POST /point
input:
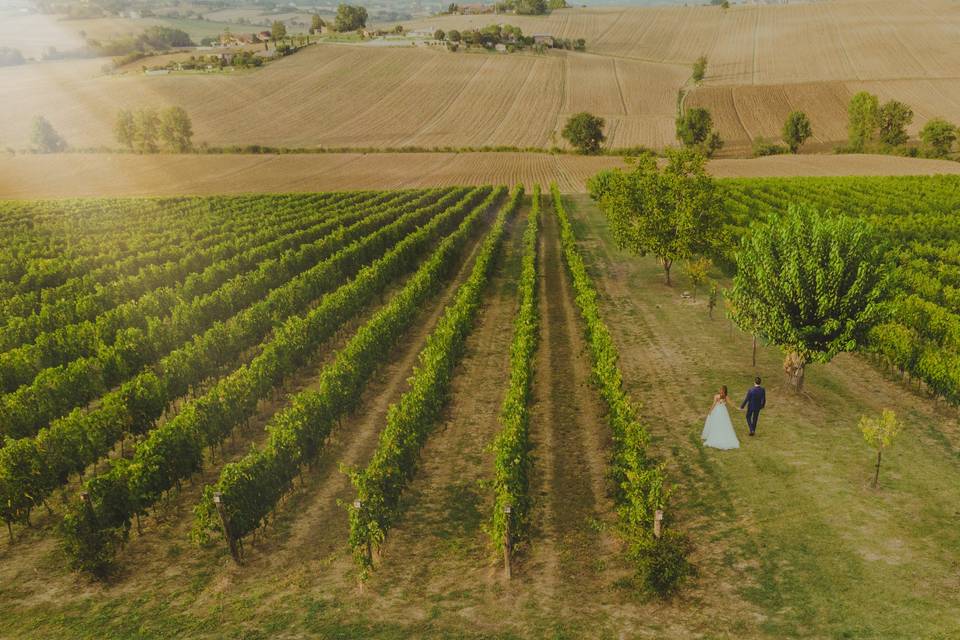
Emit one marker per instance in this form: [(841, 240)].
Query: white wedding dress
[(718, 430)]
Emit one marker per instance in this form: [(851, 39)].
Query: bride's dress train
[(718, 430)]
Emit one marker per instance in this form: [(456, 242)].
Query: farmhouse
[(475, 8), (264, 36)]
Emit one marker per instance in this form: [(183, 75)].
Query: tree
[(863, 119), (796, 130), (146, 128), (278, 30), (585, 132), (45, 138), (124, 129), (350, 18), (810, 283), (879, 434), (316, 23), (674, 213), (557, 4), (700, 69), (892, 120), (697, 271), (453, 8), (695, 129), (453, 36), (530, 7), (938, 137), (439, 35), (176, 130)]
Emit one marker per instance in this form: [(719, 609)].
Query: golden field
[(764, 61), (28, 176)]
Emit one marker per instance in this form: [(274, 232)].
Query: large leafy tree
[(350, 18), (938, 137), (673, 213), (810, 283), (585, 132), (176, 130), (893, 118), (124, 129), (695, 130)]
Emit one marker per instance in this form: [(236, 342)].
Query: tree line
[(146, 129)]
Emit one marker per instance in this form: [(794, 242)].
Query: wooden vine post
[(657, 523), (225, 523), (507, 542)]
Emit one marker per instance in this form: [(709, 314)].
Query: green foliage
[(350, 18), (713, 298), (695, 130), (89, 547), (410, 421), (938, 137), (810, 283), (673, 213), (453, 36), (639, 483), (557, 4), (700, 69), (879, 434), (863, 120), (176, 130), (763, 147), (45, 138), (665, 562), (530, 7), (796, 130), (278, 30), (316, 23), (511, 448), (146, 127), (124, 129), (439, 35), (252, 486), (697, 271), (892, 121), (585, 132)]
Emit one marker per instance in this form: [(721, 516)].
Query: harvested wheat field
[(134, 175)]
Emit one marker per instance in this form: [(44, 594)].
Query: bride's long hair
[(723, 391)]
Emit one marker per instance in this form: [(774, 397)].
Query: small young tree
[(938, 137), (146, 128), (700, 69), (697, 271), (863, 113), (124, 129), (278, 30), (879, 434), (673, 213), (893, 118), (585, 132), (176, 130), (810, 283), (45, 138), (796, 130)]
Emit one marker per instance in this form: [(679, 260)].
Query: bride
[(718, 430)]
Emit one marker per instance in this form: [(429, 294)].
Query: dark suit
[(755, 401)]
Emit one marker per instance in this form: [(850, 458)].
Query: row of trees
[(873, 126), (146, 129)]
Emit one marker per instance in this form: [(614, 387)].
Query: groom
[(755, 401)]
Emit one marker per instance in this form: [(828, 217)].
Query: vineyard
[(413, 412)]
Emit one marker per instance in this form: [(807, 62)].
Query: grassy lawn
[(788, 528)]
